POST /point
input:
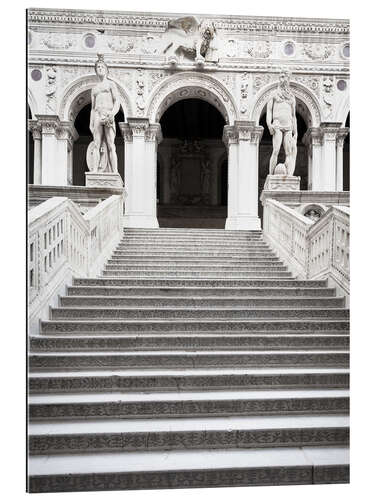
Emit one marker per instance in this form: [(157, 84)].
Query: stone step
[(196, 326), (228, 255), (198, 282), (217, 238), (196, 359), (201, 242), (187, 434), (210, 379), (215, 302), (201, 293), (215, 468), (186, 342), (97, 313), (187, 230), (197, 246), (210, 267), (198, 274), (137, 260), (187, 404)]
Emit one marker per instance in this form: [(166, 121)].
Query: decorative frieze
[(260, 49), (121, 44), (318, 51), (58, 41)]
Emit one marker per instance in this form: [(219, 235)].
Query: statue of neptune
[(282, 124), (104, 106)]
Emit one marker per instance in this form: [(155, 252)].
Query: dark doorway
[(192, 168)]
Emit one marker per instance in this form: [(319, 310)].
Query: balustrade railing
[(312, 250), (63, 243)]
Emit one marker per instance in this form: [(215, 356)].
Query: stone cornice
[(159, 21)]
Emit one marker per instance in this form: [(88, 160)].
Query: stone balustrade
[(312, 250), (63, 243)]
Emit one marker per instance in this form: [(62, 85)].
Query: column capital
[(329, 130), (67, 131), (341, 134), (50, 124), (138, 126), (126, 131), (230, 135), (154, 133), (35, 128), (312, 137), (248, 131)]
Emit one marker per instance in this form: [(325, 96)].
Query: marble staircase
[(195, 360)]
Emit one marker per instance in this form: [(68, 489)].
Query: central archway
[(191, 167)]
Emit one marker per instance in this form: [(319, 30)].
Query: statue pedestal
[(282, 183), (100, 179)]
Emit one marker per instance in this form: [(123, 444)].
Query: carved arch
[(307, 103), (32, 103), (191, 85), (343, 111), (78, 93)]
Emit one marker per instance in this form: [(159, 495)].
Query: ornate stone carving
[(327, 97), (260, 49), (155, 77), (121, 44), (149, 44), (190, 38), (58, 41), (311, 82), (51, 90), (244, 92), (138, 126), (231, 48), (189, 85), (140, 101), (260, 81), (318, 51), (124, 77), (35, 128)]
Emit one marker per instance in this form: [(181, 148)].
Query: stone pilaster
[(67, 136), (36, 130), (329, 131), (313, 142), (141, 139), (242, 141)]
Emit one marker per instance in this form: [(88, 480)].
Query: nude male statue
[(282, 124), (104, 106)]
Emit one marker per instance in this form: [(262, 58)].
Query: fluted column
[(141, 139)]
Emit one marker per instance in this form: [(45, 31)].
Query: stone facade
[(237, 74)]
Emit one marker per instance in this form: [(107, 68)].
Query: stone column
[(51, 171), (230, 139), (243, 138), (313, 141), (36, 130), (67, 135), (141, 141), (341, 134), (329, 132)]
